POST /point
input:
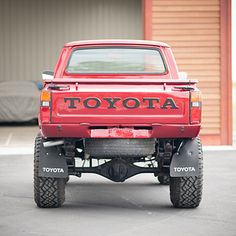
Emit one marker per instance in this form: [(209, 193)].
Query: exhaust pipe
[(53, 143)]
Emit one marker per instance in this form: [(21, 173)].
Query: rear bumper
[(85, 131)]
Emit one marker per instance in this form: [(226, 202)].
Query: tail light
[(45, 98), (195, 107), (45, 101)]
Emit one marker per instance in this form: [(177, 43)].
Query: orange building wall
[(194, 30)]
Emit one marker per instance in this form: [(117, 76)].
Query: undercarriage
[(175, 162), (119, 168)]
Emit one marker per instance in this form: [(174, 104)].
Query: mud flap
[(185, 162), (52, 163)]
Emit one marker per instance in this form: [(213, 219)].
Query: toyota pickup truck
[(118, 108)]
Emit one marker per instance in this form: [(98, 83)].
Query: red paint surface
[(84, 131), (119, 122)]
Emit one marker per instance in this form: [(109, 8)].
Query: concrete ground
[(96, 206), (18, 138)]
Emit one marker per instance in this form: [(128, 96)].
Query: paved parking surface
[(140, 206), (17, 138)]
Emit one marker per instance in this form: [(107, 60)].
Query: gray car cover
[(19, 101)]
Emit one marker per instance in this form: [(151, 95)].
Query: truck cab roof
[(117, 42)]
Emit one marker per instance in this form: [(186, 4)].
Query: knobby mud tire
[(164, 180), (186, 192), (48, 192), (113, 148)]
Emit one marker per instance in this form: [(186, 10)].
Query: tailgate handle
[(58, 87), (184, 88)]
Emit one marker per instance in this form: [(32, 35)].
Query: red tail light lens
[(45, 100), (195, 107)]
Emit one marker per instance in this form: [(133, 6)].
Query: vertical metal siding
[(32, 32), (192, 28)]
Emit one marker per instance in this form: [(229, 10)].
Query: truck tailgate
[(119, 104)]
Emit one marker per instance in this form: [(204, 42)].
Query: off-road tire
[(48, 192), (115, 148), (67, 179), (164, 180), (186, 192)]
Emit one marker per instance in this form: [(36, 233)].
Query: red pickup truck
[(118, 108)]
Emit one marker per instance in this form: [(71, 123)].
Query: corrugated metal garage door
[(192, 28), (32, 32)]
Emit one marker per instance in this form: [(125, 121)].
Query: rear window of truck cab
[(124, 60)]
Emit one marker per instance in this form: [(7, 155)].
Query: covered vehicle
[(18, 101)]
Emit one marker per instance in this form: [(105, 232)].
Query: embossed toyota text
[(184, 169), (128, 103), (53, 170)]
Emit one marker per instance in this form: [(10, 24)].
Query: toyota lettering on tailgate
[(128, 103)]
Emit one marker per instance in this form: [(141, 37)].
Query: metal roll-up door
[(192, 29), (33, 32)]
